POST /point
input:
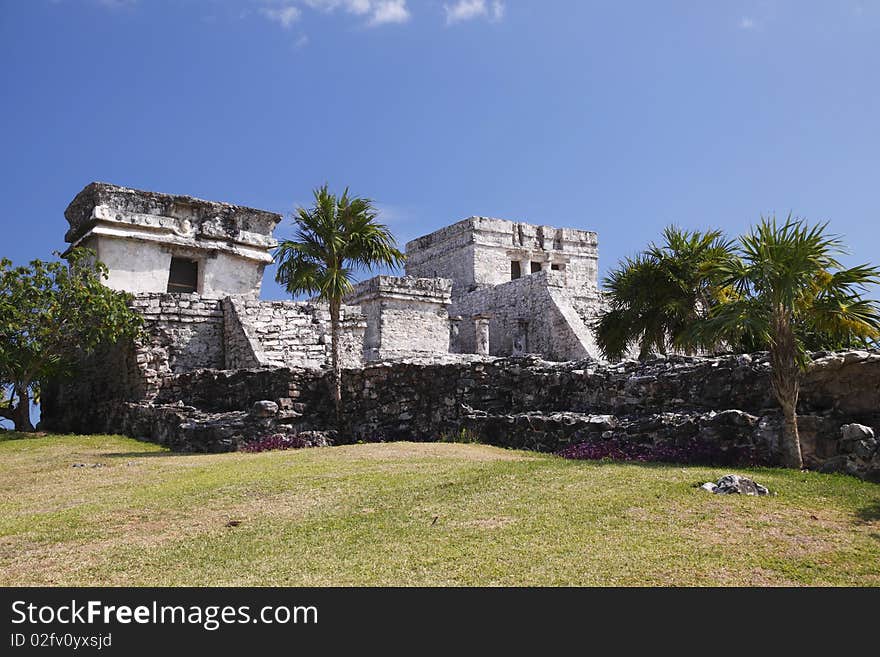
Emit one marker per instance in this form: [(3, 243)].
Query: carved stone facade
[(146, 238), (480, 252), (536, 286), (481, 286)]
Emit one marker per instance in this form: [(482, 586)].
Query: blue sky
[(619, 117)]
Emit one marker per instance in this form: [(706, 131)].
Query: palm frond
[(333, 236)]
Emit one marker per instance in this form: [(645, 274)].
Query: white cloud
[(379, 12), (465, 10), (285, 16), (747, 23), (389, 11), (359, 7)]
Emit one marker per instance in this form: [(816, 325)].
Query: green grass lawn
[(414, 514)]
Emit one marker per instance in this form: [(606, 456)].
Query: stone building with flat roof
[(516, 287), (479, 286), (154, 242), (480, 252)]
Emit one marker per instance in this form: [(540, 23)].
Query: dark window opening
[(515, 271), (184, 275), (536, 267), (555, 267)]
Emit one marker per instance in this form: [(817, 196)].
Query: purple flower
[(275, 441)]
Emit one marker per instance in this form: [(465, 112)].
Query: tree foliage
[(792, 295), (656, 296), (334, 237), (51, 315)]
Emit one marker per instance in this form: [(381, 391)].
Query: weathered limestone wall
[(533, 314), (448, 252), (240, 350), (183, 332), (406, 317), (498, 242), (722, 403), (478, 252), (288, 333), (186, 331)]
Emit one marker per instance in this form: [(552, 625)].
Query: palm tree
[(791, 294), (655, 297), (334, 236)]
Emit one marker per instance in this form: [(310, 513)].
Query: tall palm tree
[(655, 297), (792, 294), (333, 237)]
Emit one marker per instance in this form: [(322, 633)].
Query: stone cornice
[(101, 208)]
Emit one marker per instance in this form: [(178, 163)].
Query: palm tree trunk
[(785, 382), (22, 412), (791, 441), (335, 305)]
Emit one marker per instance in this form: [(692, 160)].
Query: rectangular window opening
[(536, 267), (183, 276), (555, 267), (515, 271)]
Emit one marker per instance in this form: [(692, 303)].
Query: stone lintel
[(172, 239)]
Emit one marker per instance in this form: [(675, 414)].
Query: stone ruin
[(487, 333), (483, 286)]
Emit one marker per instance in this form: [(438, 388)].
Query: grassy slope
[(364, 514)]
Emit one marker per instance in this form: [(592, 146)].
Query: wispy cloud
[(746, 23), (389, 11), (285, 15), (466, 10), (373, 13), (497, 12), (116, 4), (359, 7), (379, 12)]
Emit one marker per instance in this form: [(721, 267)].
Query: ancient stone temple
[(169, 243), (517, 288), (487, 333), (480, 286)]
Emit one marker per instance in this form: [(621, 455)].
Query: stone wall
[(240, 350), (694, 403), (105, 381), (448, 252), (186, 330), (533, 314), (406, 317), (182, 333), (288, 333)]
